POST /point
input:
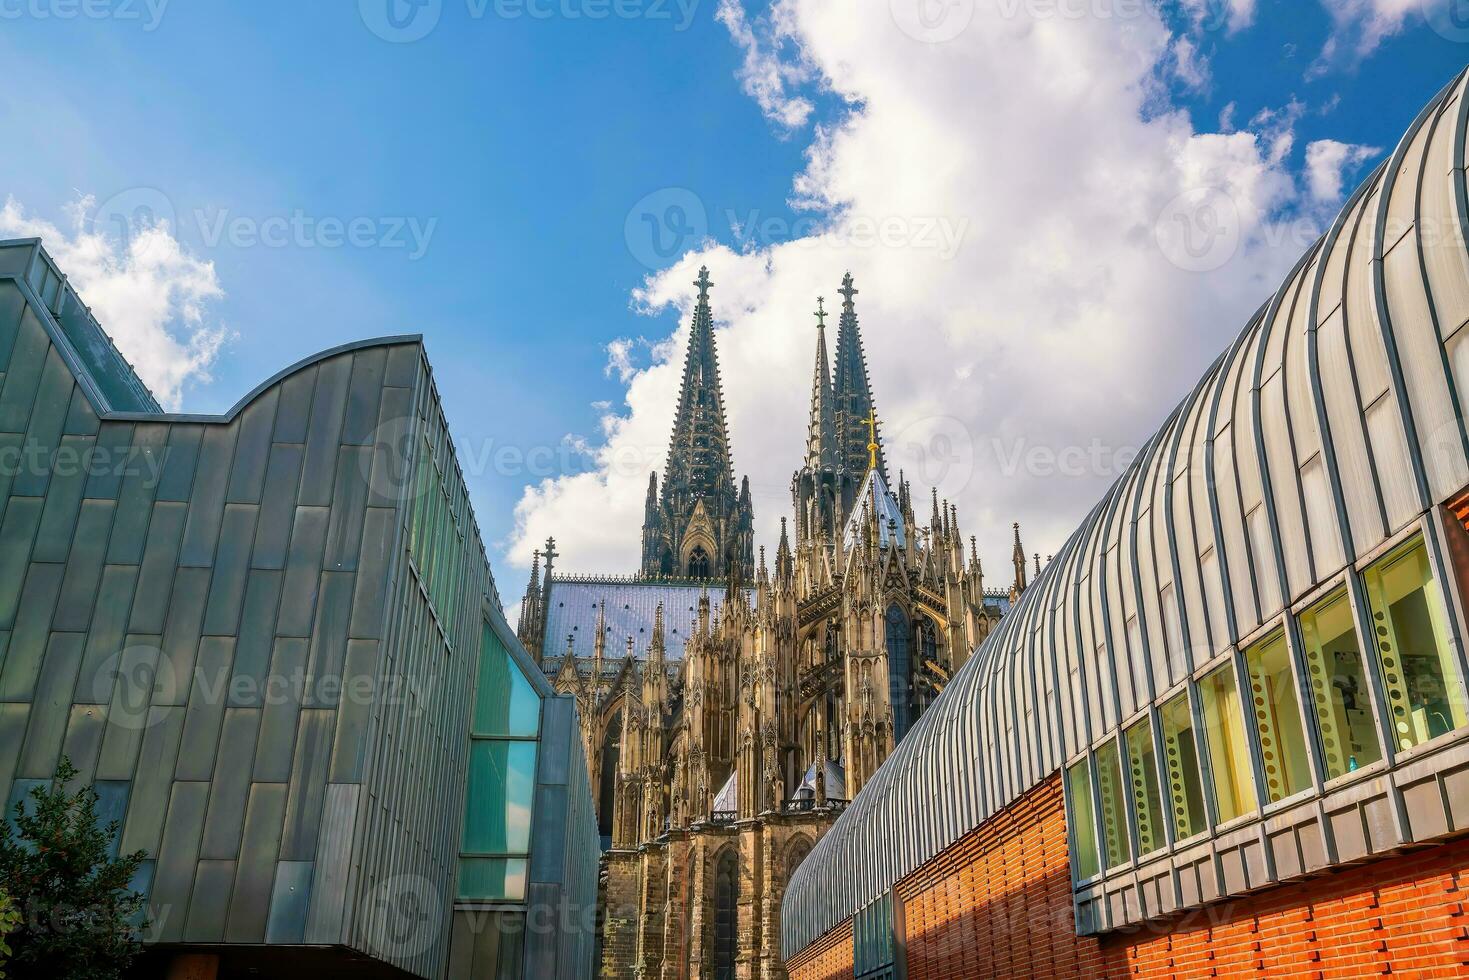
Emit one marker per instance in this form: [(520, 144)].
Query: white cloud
[(1327, 164), (764, 74), (1016, 369), (1359, 26), (149, 294), (1209, 15)]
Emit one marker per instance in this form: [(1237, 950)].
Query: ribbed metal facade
[(256, 633), (1329, 434)]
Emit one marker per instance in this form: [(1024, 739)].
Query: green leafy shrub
[(77, 916)]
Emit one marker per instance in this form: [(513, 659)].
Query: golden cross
[(872, 447)]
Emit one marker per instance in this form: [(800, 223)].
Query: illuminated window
[(1142, 781), (1277, 714), (1181, 765), (1114, 818), (1229, 753), (1425, 694), (1338, 679), (1084, 824)]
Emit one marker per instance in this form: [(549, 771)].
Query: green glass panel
[(1084, 824), (1425, 693), (1229, 753), (1277, 715), (1181, 763), (505, 703), (492, 879), (1114, 817), (1142, 778), (497, 809), (1338, 676)]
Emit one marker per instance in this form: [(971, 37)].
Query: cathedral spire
[(1019, 559), (851, 390), (821, 440), (702, 521), (698, 453)]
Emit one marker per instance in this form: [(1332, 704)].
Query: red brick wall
[(828, 959), (998, 904), (1404, 915)]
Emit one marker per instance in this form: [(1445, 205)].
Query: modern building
[(728, 708), (271, 640), (1226, 730)]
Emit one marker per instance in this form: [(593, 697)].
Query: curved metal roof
[(1332, 423)]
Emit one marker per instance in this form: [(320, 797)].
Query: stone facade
[(751, 701)]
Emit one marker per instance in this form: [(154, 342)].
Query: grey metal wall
[(1328, 433), (255, 632)]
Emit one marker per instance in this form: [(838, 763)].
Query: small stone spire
[(1018, 558), (821, 439)]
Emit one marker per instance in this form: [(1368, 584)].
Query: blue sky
[(517, 146)]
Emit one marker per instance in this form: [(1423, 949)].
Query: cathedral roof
[(880, 503), (728, 800), (630, 607), (836, 782)]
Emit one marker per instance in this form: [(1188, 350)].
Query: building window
[(726, 914), (501, 781), (1277, 713), (611, 763), (900, 669), (1425, 693), (1181, 759), (1229, 753), (1114, 817), (699, 563), (1147, 797), (1338, 678), (1083, 821)]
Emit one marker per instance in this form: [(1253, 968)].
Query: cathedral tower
[(701, 525)]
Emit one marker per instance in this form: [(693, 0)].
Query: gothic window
[(928, 653), (726, 913), (611, 757), (900, 669), (699, 563), (795, 854)]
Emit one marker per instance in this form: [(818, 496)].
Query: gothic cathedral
[(729, 708)]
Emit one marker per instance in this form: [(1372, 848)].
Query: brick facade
[(997, 903)]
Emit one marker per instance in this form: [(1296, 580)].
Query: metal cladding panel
[(1329, 429), (202, 626)]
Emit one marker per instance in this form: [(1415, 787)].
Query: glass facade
[(1339, 687), (1142, 773), (495, 848), (1277, 715), (1425, 692), (1083, 821), (1229, 753), (1114, 817), (1181, 758)]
